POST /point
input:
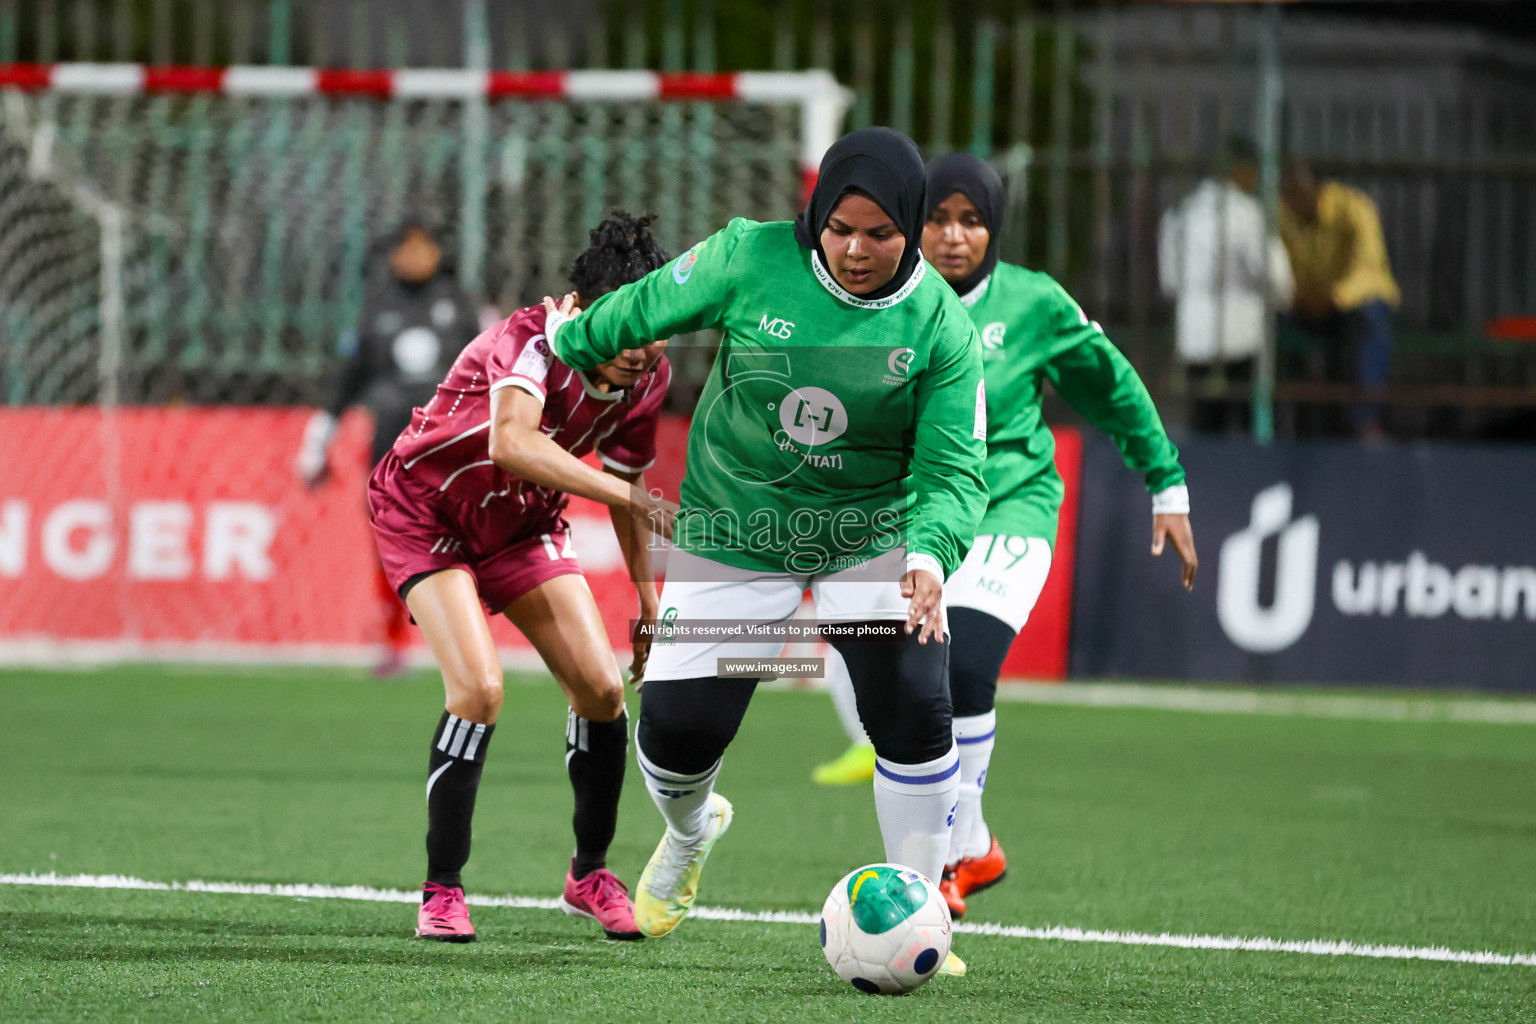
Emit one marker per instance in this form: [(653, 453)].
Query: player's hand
[(649, 508), (637, 664), (642, 645), (926, 593), (1176, 528), (565, 307)]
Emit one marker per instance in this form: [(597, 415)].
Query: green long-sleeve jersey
[(1032, 331), (831, 428)]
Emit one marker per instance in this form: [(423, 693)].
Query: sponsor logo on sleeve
[(979, 428), (682, 270), (534, 361)]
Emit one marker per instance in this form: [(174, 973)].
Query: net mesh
[(207, 249)]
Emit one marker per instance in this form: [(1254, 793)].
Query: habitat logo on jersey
[(682, 270), (899, 363), (812, 416)]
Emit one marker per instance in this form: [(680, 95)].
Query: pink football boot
[(443, 916), (603, 898)]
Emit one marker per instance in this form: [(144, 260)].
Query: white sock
[(975, 735), (840, 686), (683, 800), (916, 806)]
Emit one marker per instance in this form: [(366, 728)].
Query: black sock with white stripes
[(594, 757), (458, 755)]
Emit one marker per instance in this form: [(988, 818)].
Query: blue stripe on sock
[(677, 780), (976, 739), (918, 780)]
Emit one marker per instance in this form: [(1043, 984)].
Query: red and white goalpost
[(180, 249), (820, 100)]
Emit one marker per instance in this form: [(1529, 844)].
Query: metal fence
[(1101, 115), (212, 248)]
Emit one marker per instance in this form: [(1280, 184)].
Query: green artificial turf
[(1408, 833)]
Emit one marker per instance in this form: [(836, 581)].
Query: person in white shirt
[(1226, 275)]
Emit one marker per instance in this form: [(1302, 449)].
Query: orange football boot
[(951, 894), (973, 874)]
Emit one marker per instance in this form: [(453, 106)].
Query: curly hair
[(621, 250)]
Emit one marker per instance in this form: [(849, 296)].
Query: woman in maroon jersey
[(467, 511)]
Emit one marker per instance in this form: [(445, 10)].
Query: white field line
[(1246, 702), (1313, 947), (88, 655)]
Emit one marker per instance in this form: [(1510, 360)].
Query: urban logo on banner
[(1247, 623), (1332, 564), (1416, 587)]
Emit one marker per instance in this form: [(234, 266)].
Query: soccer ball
[(885, 929)]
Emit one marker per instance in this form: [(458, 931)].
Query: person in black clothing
[(416, 319)]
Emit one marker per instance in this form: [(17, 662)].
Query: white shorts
[(700, 588), (1002, 577)]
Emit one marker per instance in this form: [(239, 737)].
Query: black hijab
[(887, 165), (974, 178)]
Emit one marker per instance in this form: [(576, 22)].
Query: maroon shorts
[(420, 531)]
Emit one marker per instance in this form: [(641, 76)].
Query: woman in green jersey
[(1031, 332), (838, 446)]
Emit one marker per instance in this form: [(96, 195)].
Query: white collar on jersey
[(593, 391), (825, 277), (973, 296)]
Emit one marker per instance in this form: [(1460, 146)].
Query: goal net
[(180, 251), (202, 234)]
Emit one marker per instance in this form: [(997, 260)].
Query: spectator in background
[(1345, 292), (416, 319), (1225, 273)]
